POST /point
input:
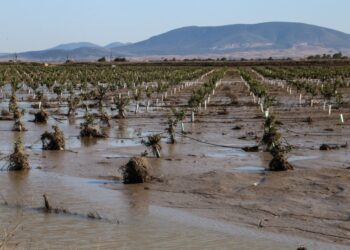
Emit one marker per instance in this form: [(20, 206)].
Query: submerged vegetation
[(153, 143), (41, 116), (89, 128), (18, 160), (136, 171), (272, 139), (131, 103), (54, 140)]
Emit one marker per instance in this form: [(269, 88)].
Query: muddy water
[(128, 220)]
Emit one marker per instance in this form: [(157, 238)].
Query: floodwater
[(128, 219)]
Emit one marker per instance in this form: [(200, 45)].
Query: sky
[(41, 24)]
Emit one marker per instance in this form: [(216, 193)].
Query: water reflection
[(122, 131), (88, 142)]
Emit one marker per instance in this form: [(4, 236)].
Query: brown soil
[(204, 178)]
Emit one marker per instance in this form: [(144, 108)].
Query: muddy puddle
[(303, 158), (249, 169), (128, 221), (226, 153)]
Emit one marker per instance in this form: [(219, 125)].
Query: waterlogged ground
[(128, 219), (210, 193)]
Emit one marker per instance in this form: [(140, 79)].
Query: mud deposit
[(206, 193)]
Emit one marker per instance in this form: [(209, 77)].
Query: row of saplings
[(18, 160), (137, 170)]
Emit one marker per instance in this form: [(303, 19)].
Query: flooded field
[(128, 218), (206, 191)]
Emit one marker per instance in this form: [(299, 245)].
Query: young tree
[(53, 141), (17, 114), (121, 103), (274, 145), (18, 159), (180, 115), (137, 97), (153, 142), (90, 129), (172, 123)]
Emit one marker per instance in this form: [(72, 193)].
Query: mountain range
[(78, 45), (279, 39)]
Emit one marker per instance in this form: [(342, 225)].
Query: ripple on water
[(302, 158), (249, 169), (225, 153)]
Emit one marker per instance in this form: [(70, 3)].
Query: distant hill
[(79, 45), (277, 39), (239, 37), (80, 54), (116, 45), (72, 46)]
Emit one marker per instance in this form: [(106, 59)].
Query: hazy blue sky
[(40, 24)]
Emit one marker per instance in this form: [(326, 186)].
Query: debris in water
[(136, 171), (18, 159), (53, 141)]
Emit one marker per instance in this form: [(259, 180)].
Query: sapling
[(58, 90), (271, 134), (100, 94), (272, 140), (105, 118), (121, 103), (153, 142), (89, 128), (149, 92), (41, 116), (340, 103), (18, 159), (180, 115), (73, 103), (17, 114), (268, 102), (54, 140), (311, 89), (137, 97), (328, 91), (172, 123), (194, 102), (13, 98), (161, 87)]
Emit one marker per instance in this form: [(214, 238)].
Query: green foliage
[(269, 101), (272, 137), (255, 86), (179, 114), (311, 89), (199, 94), (328, 91), (137, 94), (339, 100), (153, 142)]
